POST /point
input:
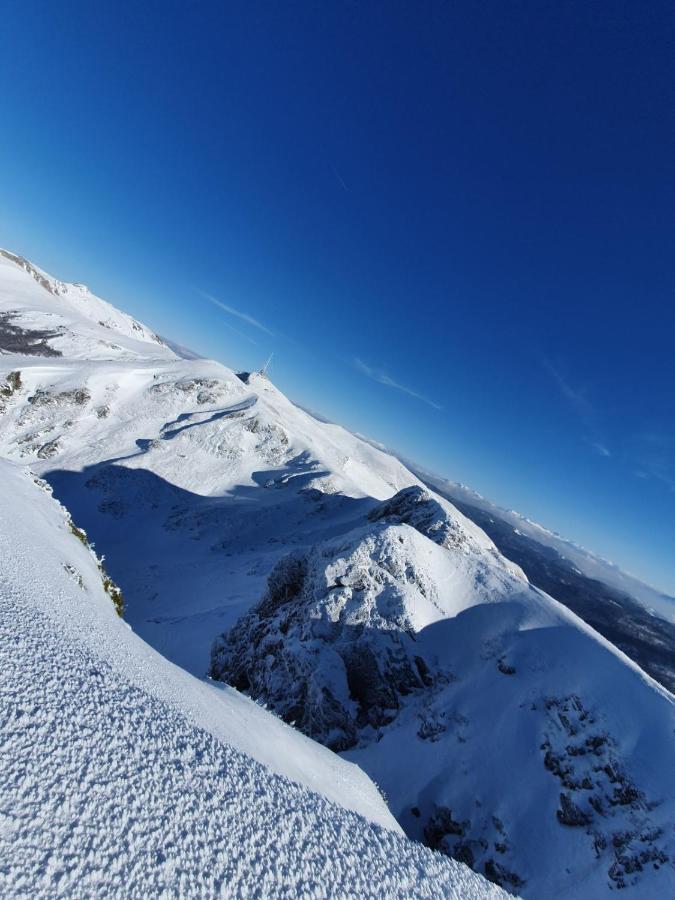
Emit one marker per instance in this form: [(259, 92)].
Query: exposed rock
[(504, 668), (416, 507), (440, 825), (10, 386), (587, 764), (570, 814), (51, 286), (48, 450), (498, 874), (330, 645), (77, 396), (26, 341)]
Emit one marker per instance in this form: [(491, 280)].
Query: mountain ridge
[(505, 731)]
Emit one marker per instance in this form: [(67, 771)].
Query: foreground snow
[(113, 783)]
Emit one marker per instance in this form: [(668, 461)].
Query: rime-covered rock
[(331, 644)]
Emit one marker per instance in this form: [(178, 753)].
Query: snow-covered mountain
[(122, 773), (318, 574), (634, 616), (61, 319), (589, 564), (501, 727)]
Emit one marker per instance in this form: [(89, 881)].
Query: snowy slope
[(123, 776), (74, 322), (367, 611), (166, 462), (631, 614), (163, 459), (588, 563)]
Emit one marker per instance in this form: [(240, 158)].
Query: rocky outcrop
[(361, 642), (416, 507), (8, 388), (330, 647), (599, 796), (26, 341)]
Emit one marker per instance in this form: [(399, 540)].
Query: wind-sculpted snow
[(107, 789), (635, 617)]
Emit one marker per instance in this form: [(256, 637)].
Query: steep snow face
[(121, 775), (42, 316), (590, 564), (630, 614), (503, 730)]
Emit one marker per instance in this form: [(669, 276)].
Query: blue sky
[(452, 223)]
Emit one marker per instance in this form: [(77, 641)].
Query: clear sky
[(452, 222)]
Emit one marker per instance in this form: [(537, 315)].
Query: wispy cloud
[(238, 314), (382, 378), (339, 177), (649, 454), (582, 407), (576, 397), (600, 448), (654, 454)]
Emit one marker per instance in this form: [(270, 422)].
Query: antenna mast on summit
[(264, 369)]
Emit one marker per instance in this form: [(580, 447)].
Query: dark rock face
[(8, 388), (323, 647), (48, 450), (77, 396), (416, 507), (599, 795), (441, 825), (454, 838), (504, 667), (570, 814), (500, 875), (29, 342)]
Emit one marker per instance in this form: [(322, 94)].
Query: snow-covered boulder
[(331, 645)]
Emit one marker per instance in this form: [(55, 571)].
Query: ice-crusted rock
[(331, 645), (416, 507), (438, 520)]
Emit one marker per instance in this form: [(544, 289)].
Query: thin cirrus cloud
[(600, 448), (581, 406), (238, 314), (382, 378), (654, 454)]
